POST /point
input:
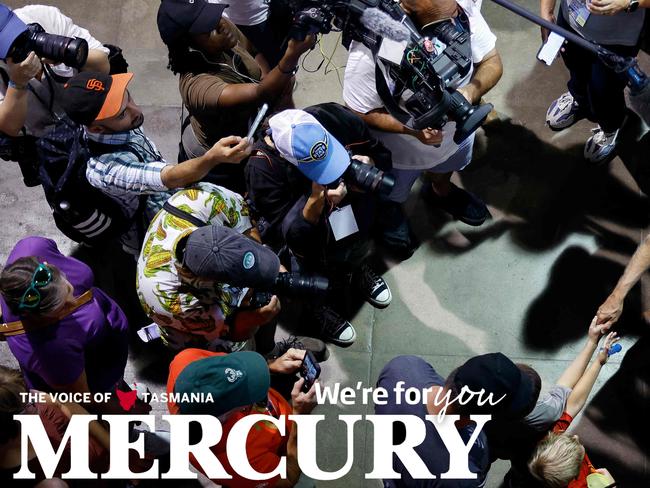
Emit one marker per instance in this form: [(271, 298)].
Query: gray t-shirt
[(416, 372), (622, 29)]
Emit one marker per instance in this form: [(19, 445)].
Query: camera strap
[(182, 214)]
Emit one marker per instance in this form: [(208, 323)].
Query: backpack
[(82, 212)]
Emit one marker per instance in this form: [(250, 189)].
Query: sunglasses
[(32, 297)]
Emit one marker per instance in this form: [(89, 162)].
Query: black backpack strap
[(182, 214)]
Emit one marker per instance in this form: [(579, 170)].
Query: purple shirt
[(93, 337)]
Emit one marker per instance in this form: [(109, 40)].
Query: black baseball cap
[(93, 96), (225, 255), (179, 17), (497, 374)]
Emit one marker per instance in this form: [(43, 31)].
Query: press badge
[(343, 223)]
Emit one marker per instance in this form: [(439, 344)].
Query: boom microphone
[(382, 24)]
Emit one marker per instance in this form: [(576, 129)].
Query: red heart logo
[(127, 398)]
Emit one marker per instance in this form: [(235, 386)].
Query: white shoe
[(563, 112), (601, 146)]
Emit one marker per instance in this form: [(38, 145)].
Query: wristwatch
[(633, 6)]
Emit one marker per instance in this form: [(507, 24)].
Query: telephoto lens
[(71, 51), (369, 178), (297, 285)]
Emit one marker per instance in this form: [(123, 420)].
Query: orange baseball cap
[(91, 97)]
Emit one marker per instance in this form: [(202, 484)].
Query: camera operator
[(240, 385), (595, 91), (221, 83), (200, 257), (299, 184), (29, 93), (428, 150)]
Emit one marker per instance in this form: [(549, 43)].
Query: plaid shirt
[(124, 177)]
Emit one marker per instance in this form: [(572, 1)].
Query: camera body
[(70, 51), (291, 285)]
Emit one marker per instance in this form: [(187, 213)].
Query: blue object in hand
[(614, 349)]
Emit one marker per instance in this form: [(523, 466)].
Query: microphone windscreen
[(382, 24)]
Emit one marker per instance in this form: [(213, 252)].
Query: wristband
[(17, 86), (290, 72)]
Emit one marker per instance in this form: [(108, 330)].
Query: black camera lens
[(468, 117), (369, 178), (70, 51), (294, 284)]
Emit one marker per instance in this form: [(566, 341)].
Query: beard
[(137, 122)]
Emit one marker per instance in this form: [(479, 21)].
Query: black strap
[(182, 214)]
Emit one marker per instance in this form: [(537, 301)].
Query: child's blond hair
[(557, 459)]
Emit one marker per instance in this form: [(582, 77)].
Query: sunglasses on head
[(32, 297)]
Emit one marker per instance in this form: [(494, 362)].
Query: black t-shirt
[(417, 373)]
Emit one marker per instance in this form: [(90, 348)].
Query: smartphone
[(309, 370), (258, 120), (551, 48)]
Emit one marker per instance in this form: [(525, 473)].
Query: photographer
[(127, 165), (199, 259), (240, 386), (30, 90), (595, 91), (299, 181), (428, 151), (220, 82)]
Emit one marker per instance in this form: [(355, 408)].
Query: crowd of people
[(245, 229)]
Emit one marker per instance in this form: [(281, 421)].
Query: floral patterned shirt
[(170, 295)]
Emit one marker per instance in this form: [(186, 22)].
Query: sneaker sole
[(379, 305)]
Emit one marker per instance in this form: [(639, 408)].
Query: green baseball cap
[(234, 380)]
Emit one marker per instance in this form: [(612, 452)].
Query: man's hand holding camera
[(21, 73)]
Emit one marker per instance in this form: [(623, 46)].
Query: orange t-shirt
[(264, 445), (586, 468)]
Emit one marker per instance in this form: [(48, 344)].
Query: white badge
[(343, 222)]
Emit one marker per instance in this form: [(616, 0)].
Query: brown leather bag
[(17, 327)]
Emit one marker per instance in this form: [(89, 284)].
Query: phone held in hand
[(551, 48), (309, 370), (258, 120)]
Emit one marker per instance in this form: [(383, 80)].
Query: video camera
[(70, 51), (292, 285), (426, 66)]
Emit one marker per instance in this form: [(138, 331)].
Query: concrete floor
[(526, 283)]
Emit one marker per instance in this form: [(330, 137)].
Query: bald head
[(424, 12)]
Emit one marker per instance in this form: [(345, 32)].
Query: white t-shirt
[(39, 119), (246, 12), (360, 94)]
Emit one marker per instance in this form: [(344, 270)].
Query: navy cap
[(225, 255), (497, 374), (10, 28), (180, 17)]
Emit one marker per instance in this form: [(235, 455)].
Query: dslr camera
[(291, 285), (366, 177), (70, 51)]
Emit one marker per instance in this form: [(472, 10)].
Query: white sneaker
[(563, 112), (601, 146)]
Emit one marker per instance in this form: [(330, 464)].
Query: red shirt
[(586, 468), (264, 445)]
